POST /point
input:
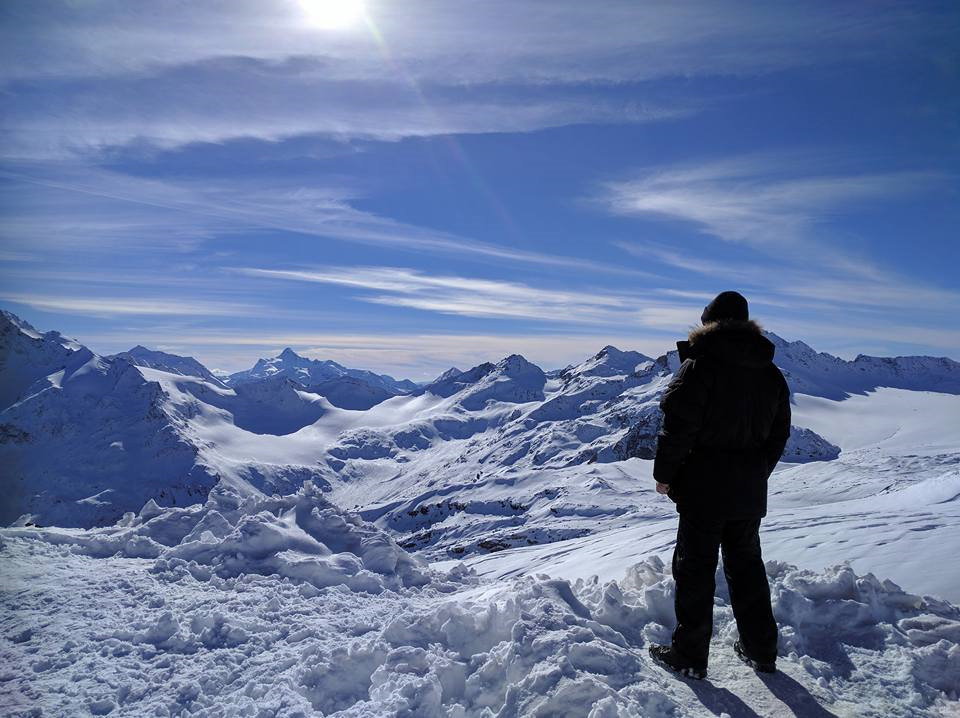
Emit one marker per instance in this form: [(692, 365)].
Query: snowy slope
[(476, 461), (890, 503), (231, 581), (348, 392), (171, 363), (90, 441), (290, 607), (499, 455), (96, 437), (494, 457), (26, 355)]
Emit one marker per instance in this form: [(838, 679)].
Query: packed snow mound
[(313, 371), (172, 363), (172, 643), (301, 537)]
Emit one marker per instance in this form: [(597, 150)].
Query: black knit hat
[(726, 305)]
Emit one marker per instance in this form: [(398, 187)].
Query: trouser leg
[(694, 566), (749, 590)]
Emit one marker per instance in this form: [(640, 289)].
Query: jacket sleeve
[(683, 407), (780, 431)]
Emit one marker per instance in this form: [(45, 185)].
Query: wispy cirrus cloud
[(82, 78), (835, 282), (494, 41), (107, 307), (778, 218), (465, 296), (231, 103), (72, 206), (758, 201)]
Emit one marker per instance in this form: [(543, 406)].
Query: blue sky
[(403, 186)]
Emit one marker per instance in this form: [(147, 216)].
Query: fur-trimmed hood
[(732, 340), (724, 325)]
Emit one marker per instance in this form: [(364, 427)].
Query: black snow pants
[(694, 568)]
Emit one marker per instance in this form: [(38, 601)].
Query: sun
[(332, 14)]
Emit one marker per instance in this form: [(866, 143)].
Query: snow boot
[(755, 665), (666, 657)]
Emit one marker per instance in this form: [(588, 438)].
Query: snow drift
[(300, 536), (230, 622)]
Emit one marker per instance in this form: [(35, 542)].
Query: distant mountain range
[(85, 438), (312, 372)]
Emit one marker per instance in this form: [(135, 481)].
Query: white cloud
[(86, 119), (64, 206), (81, 77), (832, 282), (466, 296), (423, 40), (755, 201), (108, 307)]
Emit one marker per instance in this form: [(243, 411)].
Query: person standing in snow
[(726, 420)]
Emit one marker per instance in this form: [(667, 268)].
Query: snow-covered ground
[(287, 607), (890, 504), (480, 546)]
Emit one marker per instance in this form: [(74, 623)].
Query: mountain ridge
[(495, 425), (314, 371)]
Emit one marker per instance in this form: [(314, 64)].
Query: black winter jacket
[(726, 420)]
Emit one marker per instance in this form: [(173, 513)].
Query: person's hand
[(662, 488)]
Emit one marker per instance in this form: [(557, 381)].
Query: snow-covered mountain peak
[(11, 319), (448, 384), (448, 374), (310, 372), (173, 363), (11, 323), (27, 355), (513, 380), (798, 351), (611, 361), (349, 392), (517, 366)]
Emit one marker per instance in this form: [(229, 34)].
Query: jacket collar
[(731, 340)]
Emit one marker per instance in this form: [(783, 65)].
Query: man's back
[(726, 421)]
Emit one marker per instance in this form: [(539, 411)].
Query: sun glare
[(332, 14)]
